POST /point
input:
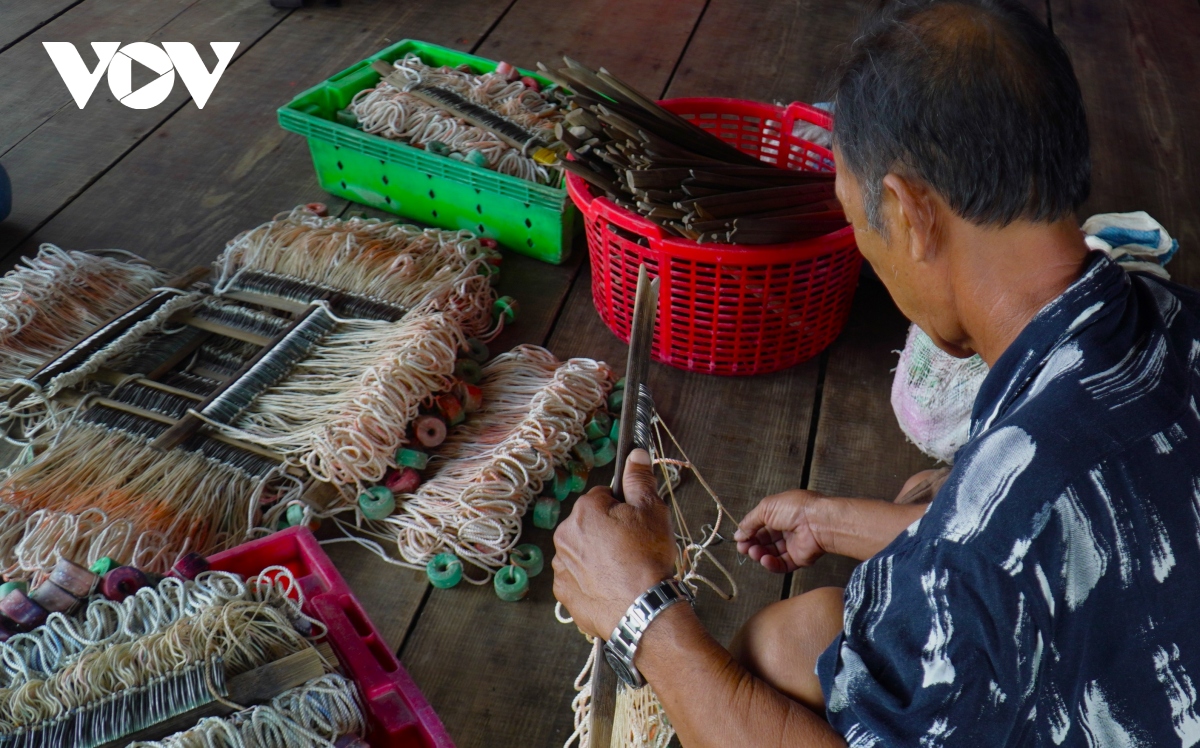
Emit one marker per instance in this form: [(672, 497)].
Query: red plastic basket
[(399, 715), (725, 308)]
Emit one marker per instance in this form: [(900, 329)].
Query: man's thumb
[(638, 480)]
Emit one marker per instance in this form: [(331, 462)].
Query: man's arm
[(608, 554), (714, 701), (794, 528)]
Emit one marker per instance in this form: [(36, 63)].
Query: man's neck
[(1003, 277)]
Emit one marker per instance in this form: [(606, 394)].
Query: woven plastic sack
[(932, 395), (933, 392)]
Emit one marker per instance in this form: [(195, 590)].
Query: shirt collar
[(1061, 320)]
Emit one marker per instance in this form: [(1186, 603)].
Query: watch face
[(620, 669)]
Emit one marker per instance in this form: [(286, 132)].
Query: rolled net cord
[(51, 647), (392, 262), (240, 634), (49, 301), (398, 115), (98, 492), (933, 392), (487, 472), (55, 297), (313, 715), (639, 720), (343, 411)]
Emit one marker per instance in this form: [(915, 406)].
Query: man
[(1048, 593)]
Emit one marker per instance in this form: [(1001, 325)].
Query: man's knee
[(781, 643)]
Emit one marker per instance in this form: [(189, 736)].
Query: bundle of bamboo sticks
[(689, 182)]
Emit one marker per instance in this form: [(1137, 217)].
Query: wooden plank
[(638, 42), (206, 175), (1137, 64), (860, 450), (66, 150), (21, 17), (780, 51), (31, 78)]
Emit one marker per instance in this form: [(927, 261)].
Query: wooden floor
[(174, 183)]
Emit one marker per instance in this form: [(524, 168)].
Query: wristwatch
[(621, 647)]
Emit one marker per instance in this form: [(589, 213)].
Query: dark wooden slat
[(860, 450), (638, 42), (208, 174), (20, 17), (1139, 86), (31, 78), (779, 51), (64, 151)]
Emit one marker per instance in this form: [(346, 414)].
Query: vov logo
[(118, 61)]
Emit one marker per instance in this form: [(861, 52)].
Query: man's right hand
[(778, 533)]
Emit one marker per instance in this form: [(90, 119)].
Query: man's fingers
[(641, 489), (750, 525)]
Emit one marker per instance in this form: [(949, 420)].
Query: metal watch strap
[(621, 647)]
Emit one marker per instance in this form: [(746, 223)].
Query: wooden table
[(174, 183)]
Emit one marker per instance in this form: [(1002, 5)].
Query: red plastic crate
[(725, 308), (398, 714)]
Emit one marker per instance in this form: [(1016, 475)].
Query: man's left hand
[(608, 553)]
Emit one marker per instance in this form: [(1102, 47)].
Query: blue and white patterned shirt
[(1051, 594)]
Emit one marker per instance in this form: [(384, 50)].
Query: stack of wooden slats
[(686, 180)]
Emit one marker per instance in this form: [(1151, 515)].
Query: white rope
[(398, 115), (639, 719), (488, 471), (313, 715)]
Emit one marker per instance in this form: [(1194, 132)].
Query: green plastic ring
[(468, 370), (545, 513), (478, 158), (615, 400), (413, 458), (598, 426), (579, 476), (377, 502), (444, 571), (604, 450), (295, 515), (438, 147), (584, 452), (477, 350), (507, 307), (615, 432), (511, 583), (529, 557), (8, 587), (561, 486), (620, 385), (103, 566)]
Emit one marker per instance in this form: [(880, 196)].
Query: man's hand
[(778, 532), (608, 553)]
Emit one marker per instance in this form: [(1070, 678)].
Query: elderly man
[(1048, 593)]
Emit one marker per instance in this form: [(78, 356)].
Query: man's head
[(955, 120)]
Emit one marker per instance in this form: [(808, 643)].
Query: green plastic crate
[(533, 219)]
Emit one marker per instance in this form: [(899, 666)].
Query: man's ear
[(914, 215)]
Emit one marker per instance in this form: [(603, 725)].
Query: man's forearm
[(859, 528), (714, 701)]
